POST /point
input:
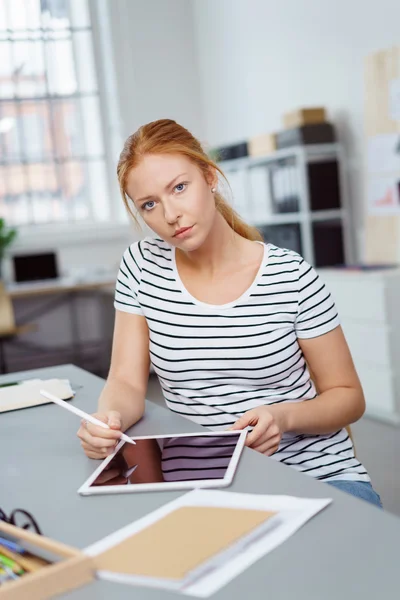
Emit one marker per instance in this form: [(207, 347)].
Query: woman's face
[(174, 199)]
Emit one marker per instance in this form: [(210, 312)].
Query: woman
[(233, 326)]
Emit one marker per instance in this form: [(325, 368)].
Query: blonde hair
[(167, 137)]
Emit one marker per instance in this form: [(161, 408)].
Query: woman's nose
[(171, 213)]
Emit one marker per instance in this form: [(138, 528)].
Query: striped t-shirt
[(216, 362)]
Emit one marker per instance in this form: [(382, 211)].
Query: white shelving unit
[(253, 188), (368, 304)]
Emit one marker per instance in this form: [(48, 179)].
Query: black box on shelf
[(328, 243), (283, 236), (321, 133), (323, 185), (232, 152)]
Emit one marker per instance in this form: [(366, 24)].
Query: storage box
[(328, 243), (262, 145), (283, 236), (231, 152), (323, 133), (324, 185), (304, 116), (74, 569)]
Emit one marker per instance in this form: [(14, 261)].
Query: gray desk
[(61, 285), (51, 295), (350, 551)]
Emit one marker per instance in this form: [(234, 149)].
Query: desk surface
[(348, 551), (61, 285)]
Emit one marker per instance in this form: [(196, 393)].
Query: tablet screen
[(172, 459)]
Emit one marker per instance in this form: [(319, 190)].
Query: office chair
[(8, 328)]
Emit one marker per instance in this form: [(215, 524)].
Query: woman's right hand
[(98, 442)]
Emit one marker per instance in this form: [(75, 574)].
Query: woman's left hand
[(268, 424)]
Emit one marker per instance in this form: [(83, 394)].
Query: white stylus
[(81, 413)]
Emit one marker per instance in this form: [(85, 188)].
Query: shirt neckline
[(244, 296)]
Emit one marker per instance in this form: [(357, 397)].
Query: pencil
[(82, 414)]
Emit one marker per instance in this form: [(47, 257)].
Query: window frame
[(60, 233)]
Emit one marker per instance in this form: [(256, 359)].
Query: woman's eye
[(180, 187), (148, 205)]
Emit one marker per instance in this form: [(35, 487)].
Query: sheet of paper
[(384, 154), (292, 512), (27, 393), (384, 195)]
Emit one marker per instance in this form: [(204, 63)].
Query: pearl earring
[(213, 190)]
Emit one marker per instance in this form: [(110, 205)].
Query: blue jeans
[(360, 489)]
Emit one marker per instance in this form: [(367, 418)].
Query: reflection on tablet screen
[(169, 459)]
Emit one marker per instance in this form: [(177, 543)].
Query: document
[(201, 541)]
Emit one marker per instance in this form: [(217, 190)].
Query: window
[(52, 159)]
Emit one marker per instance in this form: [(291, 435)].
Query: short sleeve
[(316, 312), (128, 281)]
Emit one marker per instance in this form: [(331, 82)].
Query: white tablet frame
[(87, 490)]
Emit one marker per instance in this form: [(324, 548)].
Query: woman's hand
[(98, 442), (268, 424)]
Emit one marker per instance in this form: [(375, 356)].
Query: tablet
[(169, 462)]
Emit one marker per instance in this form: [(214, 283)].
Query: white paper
[(293, 513), (27, 393), (384, 154), (394, 99), (384, 195)]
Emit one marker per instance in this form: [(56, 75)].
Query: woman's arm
[(340, 399), (121, 403), (127, 381), (339, 403)]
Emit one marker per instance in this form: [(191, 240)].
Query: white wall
[(260, 58), (155, 60)]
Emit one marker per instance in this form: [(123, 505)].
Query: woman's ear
[(212, 178)]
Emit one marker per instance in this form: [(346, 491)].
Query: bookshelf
[(297, 197)]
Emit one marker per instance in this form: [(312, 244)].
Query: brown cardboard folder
[(167, 550), (180, 542)]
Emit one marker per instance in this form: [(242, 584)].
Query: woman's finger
[(95, 455), (255, 437), (93, 452), (100, 451), (269, 447), (97, 431), (96, 442), (271, 433)]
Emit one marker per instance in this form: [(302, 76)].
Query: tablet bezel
[(87, 490)]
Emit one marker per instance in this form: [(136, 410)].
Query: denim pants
[(360, 489)]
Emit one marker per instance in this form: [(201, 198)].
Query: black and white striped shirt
[(215, 362)]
